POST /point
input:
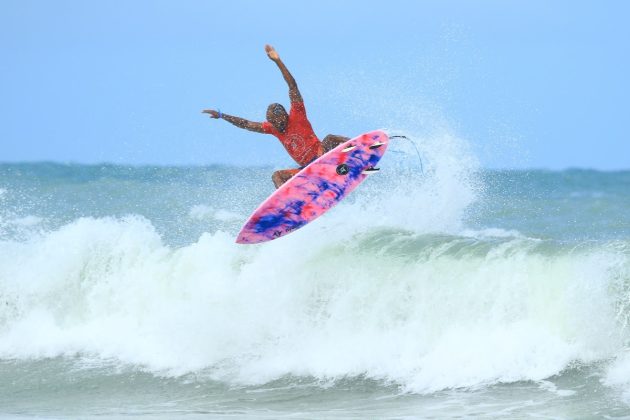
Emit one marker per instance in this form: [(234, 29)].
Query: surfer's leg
[(331, 141), (282, 176)]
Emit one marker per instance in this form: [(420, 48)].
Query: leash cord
[(414, 146)]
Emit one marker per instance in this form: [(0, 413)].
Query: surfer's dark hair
[(275, 114), (277, 109)]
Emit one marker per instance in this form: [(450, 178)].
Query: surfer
[(293, 129)]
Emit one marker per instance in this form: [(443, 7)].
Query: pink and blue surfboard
[(315, 189)]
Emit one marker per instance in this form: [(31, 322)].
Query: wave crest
[(427, 312)]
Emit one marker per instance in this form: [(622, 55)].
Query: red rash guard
[(298, 137)]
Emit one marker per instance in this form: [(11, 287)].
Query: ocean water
[(450, 291)]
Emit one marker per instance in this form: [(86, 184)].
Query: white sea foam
[(110, 288), (201, 211), (618, 374), (551, 387), (491, 233), (205, 212), (26, 221)]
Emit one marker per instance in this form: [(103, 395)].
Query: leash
[(414, 146)]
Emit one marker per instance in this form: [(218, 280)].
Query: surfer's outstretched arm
[(237, 121), (294, 92)]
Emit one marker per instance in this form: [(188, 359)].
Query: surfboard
[(315, 189)]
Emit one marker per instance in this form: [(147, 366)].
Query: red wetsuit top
[(298, 137)]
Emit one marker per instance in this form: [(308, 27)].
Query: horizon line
[(264, 166)]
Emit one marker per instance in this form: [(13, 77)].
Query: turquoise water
[(453, 291)]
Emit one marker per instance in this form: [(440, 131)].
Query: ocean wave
[(424, 311)]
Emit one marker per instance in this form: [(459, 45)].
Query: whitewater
[(447, 291)]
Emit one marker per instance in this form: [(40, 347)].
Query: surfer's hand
[(212, 112), (272, 53)]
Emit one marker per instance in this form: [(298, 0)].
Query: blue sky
[(528, 83)]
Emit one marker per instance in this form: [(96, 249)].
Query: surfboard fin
[(347, 149), (376, 145), (369, 171)]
